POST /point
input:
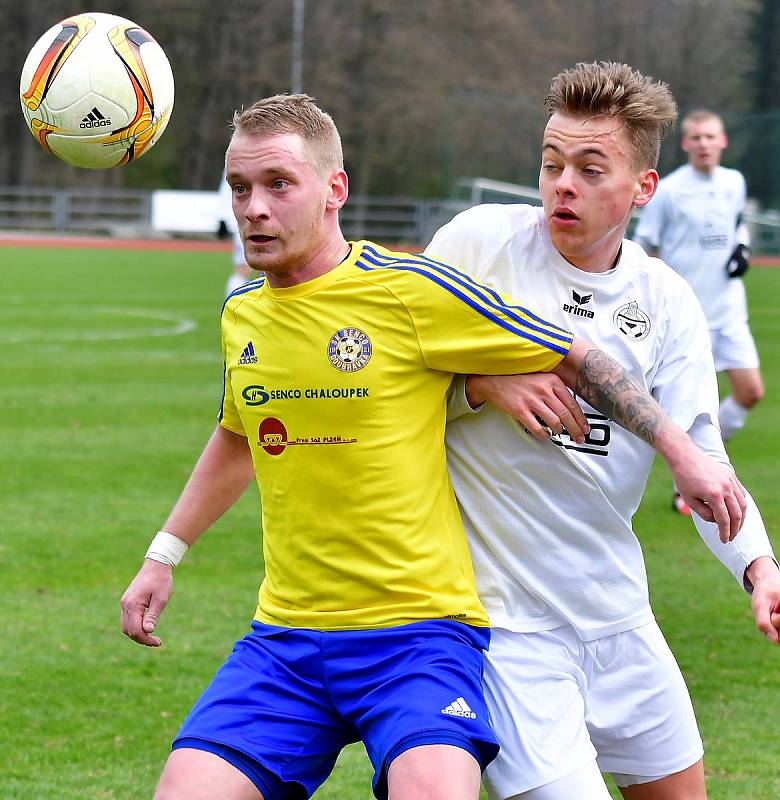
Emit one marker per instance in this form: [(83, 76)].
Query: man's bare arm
[(607, 386), (540, 401), (223, 472)]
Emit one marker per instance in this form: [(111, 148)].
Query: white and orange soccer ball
[(96, 90)]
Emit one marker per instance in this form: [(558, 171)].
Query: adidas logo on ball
[(95, 120)]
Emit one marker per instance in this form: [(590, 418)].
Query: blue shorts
[(287, 700)]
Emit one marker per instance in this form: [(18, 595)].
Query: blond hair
[(699, 115), (295, 113), (609, 89)]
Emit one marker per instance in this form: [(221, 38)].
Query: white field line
[(176, 327)]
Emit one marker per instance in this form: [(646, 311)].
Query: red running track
[(193, 245)]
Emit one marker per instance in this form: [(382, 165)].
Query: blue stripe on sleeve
[(222, 401), (476, 289), (464, 279), (243, 289), (482, 310), (247, 287), (494, 294)]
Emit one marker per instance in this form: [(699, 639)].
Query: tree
[(761, 131), (423, 92)]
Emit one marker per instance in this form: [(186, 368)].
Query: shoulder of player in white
[(497, 218), (658, 274)]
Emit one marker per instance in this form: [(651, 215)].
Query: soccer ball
[(96, 91)]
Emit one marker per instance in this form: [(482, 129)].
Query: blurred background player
[(226, 220), (578, 676), (694, 223)]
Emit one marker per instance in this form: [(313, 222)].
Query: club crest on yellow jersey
[(349, 349)]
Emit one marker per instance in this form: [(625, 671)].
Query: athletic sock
[(731, 416)]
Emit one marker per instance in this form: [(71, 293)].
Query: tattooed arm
[(710, 488), (608, 387)]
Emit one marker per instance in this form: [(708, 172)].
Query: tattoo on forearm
[(605, 385)]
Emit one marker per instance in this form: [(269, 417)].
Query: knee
[(169, 788), (166, 792), (436, 772)]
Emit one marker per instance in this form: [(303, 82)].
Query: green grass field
[(105, 411)]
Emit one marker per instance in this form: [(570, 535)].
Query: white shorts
[(557, 703), (733, 347)]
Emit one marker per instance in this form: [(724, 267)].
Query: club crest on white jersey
[(631, 321)]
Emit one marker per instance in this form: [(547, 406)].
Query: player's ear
[(338, 190), (647, 183)]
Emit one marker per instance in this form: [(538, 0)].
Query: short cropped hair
[(610, 89), (699, 115), (295, 113)]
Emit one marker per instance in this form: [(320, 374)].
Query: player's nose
[(565, 183), (256, 207)]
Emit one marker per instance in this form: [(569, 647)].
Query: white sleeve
[(463, 242), (651, 222), (457, 402), (685, 384), (752, 541), (743, 233)]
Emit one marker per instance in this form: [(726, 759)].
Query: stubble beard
[(290, 261)]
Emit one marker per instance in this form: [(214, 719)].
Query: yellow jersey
[(340, 385)]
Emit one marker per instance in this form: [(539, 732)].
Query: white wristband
[(167, 549)]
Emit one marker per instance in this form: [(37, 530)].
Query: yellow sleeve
[(466, 327), (228, 415)]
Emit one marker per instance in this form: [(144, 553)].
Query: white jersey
[(549, 522), (692, 220)]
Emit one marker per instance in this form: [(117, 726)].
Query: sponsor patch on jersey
[(349, 349), (258, 395), (272, 436), (631, 321), (714, 241)]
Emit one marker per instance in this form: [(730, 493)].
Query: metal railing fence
[(403, 220), (129, 212)]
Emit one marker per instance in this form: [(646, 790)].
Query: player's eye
[(238, 189), (279, 184)]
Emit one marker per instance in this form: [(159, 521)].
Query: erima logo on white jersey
[(579, 301), (459, 708)]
